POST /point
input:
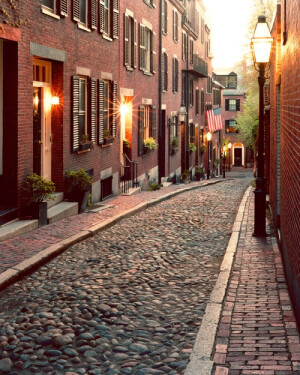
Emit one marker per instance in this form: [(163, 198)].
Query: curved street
[(128, 301)]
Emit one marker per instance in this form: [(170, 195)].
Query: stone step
[(132, 191), (166, 184), (17, 228), (61, 211), (58, 198)]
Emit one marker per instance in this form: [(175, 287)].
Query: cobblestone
[(127, 301)]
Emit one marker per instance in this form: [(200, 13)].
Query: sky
[(228, 22)]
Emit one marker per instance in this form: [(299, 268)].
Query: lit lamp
[(208, 136), (261, 43), (229, 148), (55, 100), (182, 113)]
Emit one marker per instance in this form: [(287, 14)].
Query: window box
[(86, 146), (108, 140)]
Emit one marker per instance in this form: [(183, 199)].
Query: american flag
[(214, 120)]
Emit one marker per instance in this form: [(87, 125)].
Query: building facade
[(284, 145)]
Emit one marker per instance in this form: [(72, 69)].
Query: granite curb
[(29, 265), (200, 358)]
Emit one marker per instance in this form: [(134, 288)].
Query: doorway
[(238, 157), (42, 139)]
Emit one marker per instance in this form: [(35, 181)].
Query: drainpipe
[(187, 127), (161, 123)]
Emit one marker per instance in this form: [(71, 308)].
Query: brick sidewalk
[(257, 333)]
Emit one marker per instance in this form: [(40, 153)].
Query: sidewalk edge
[(200, 358), (29, 265)]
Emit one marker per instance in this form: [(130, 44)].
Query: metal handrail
[(134, 170)]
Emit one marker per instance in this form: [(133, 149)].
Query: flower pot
[(86, 146), (108, 140), (147, 150)]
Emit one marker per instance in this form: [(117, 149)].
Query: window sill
[(106, 37), (147, 73), (129, 68), (49, 12), (83, 27), (106, 145), (83, 151)]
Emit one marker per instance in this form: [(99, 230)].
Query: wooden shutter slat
[(166, 72), (141, 130), (142, 46), (166, 17), (94, 14), (64, 8), (226, 104), (238, 105), (76, 10), (75, 113), (153, 52), (93, 109), (114, 110), (101, 16), (176, 75), (126, 40), (153, 122), (115, 19), (174, 25), (101, 111)]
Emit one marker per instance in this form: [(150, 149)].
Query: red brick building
[(284, 158)]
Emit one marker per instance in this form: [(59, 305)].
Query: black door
[(238, 157), (37, 136)]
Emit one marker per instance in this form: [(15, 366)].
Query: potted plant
[(126, 143), (150, 144), (79, 185), (202, 148), (174, 145), (108, 138), (192, 147), (38, 191), (85, 143), (199, 173), (185, 177)]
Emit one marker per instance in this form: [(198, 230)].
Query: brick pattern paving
[(17, 249), (257, 333)]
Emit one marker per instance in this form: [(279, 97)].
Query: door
[(238, 157), (37, 130), (183, 153)]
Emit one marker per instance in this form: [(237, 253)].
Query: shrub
[(192, 147), (37, 188), (150, 143), (154, 187), (79, 180)]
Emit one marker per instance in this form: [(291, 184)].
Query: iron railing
[(129, 174)]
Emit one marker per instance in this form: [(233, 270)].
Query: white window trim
[(49, 12), (86, 102)]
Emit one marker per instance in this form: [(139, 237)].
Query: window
[(175, 26), (107, 103), (151, 3), (184, 46), (129, 42), (192, 133), (146, 125), (191, 92), (164, 72), (184, 91), (202, 30), (202, 102), (52, 7), (147, 49), (217, 97), (109, 18), (209, 85), (165, 17), (175, 75), (191, 51), (232, 104), (230, 126), (84, 118), (197, 101)]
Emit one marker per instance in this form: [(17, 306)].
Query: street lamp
[(261, 43), (229, 148), (224, 160), (208, 136)]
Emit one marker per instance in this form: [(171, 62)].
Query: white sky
[(228, 22)]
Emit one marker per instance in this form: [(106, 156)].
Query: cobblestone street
[(129, 300)]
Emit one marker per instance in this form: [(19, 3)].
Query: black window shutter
[(76, 10), (176, 27), (226, 104), (197, 102), (166, 72), (173, 74), (93, 98), (153, 52), (75, 113), (64, 7), (141, 130), (101, 16), (94, 15), (134, 46), (238, 105), (174, 38), (153, 122), (163, 71), (153, 2), (126, 39), (176, 75), (114, 113), (142, 46), (165, 17), (115, 19), (101, 111), (163, 25), (202, 102)]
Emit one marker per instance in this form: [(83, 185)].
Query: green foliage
[(150, 143), (106, 133), (185, 176), (126, 143), (192, 147), (216, 162), (79, 179), (174, 144), (202, 148), (85, 138), (10, 14), (154, 187), (37, 188)]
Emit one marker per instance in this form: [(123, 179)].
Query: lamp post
[(224, 160), (208, 136), (261, 43), (229, 148)]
